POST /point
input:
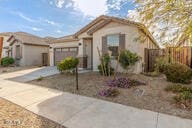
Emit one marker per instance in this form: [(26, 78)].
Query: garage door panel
[(62, 53)]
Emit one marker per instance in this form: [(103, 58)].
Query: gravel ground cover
[(14, 116)]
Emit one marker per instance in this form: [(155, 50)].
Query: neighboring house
[(108, 34), (28, 50), (5, 48)]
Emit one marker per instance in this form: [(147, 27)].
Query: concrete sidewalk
[(75, 111)]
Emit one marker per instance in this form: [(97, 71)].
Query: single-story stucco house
[(108, 34), (28, 49)]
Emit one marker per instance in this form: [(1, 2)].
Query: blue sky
[(56, 17)]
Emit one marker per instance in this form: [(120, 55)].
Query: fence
[(1, 47), (182, 55)]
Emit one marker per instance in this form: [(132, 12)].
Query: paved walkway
[(74, 111)]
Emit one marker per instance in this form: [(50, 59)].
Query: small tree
[(167, 19), (69, 63)]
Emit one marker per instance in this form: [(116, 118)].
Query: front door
[(88, 48)]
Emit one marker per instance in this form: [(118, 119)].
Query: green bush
[(178, 88), (7, 61), (160, 64), (178, 73), (184, 94), (128, 58), (184, 98), (40, 78), (108, 70), (68, 64)]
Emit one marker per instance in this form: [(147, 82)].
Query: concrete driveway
[(75, 111), (29, 74)]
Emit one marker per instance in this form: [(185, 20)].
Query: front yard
[(151, 96)]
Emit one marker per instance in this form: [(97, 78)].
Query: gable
[(116, 25), (11, 39), (84, 33), (103, 21), (132, 32), (91, 24)]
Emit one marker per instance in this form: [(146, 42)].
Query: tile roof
[(27, 38)]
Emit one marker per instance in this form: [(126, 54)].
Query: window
[(58, 49), (73, 49), (113, 44), (18, 51), (65, 49)]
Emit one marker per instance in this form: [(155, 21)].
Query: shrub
[(68, 64), (184, 94), (178, 73), (119, 82), (40, 78), (7, 61), (178, 88), (108, 70), (160, 64), (128, 58), (123, 82), (111, 92), (184, 98)]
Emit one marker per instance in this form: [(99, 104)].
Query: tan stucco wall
[(32, 55), (5, 44), (13, 51), (62, 45), (132, 44)]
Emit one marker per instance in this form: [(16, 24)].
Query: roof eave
[(64, 40), (46, 45)]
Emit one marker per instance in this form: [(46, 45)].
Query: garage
[(62, 53)]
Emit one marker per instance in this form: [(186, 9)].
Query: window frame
[(73, 49), (18, 51), (107, 36)]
